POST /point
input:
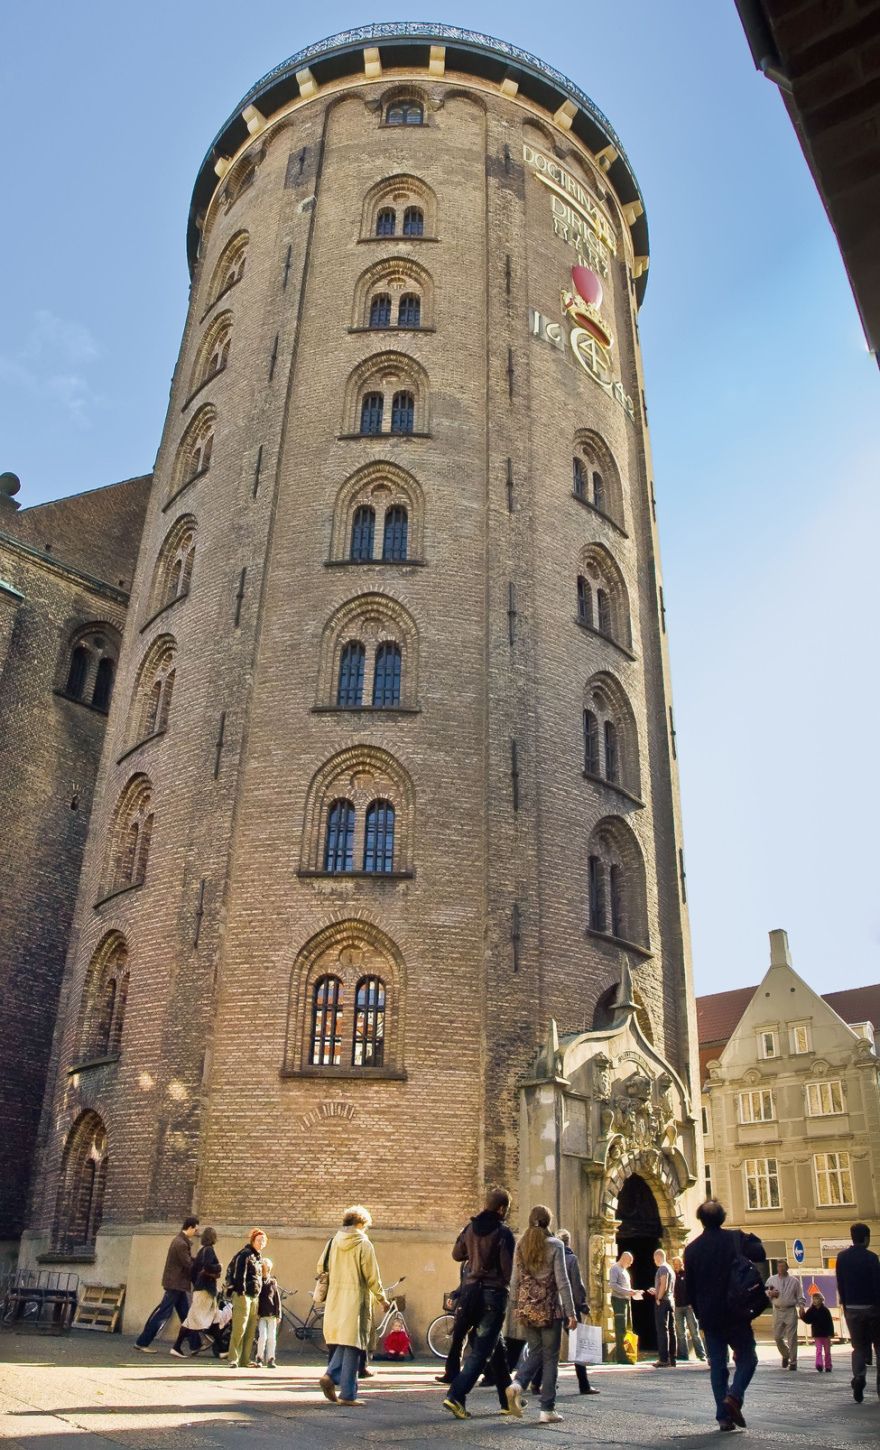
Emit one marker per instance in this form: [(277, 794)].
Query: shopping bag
[(586, 1346), (631, 1346)]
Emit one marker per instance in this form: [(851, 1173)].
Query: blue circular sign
[(798, 1250)]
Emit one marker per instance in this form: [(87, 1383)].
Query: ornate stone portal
[(599, 1107)]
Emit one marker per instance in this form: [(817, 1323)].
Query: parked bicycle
[(440, 1329), (308, 1331)]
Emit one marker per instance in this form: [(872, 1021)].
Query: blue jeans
[(741, 1340), (173, 1301), (487, 1316), (343, 1369), (541, 1357)]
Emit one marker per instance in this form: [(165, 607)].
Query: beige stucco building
[(791, 1110)]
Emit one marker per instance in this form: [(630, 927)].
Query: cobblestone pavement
[(91, 1392)]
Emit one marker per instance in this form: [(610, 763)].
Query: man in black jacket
[(858, 1289), (707, 1265), (486, 1246), (581, 1304), (246, 1271), (177, 1286)]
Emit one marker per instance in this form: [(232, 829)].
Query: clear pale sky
[(764, 404)]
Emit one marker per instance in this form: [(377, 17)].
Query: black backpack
[(746, 1295)]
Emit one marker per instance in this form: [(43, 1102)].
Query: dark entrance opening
[(640, 1233)]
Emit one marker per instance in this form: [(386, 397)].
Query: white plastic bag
[(586, 1344)]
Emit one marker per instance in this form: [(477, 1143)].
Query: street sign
[(798, 1251)]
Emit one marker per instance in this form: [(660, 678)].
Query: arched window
[(372, 407), (339, 844), (213, 354), (386, 220), (604, 580), (394, 534), (403, 412), (105, 998), (368, 1044), (132, 833), (350, 690), (591, 743), (230, 267), (326, 1035), (363, 527), (380, 310), (151, 702), (196, 448), (409, 310), (617, 901), (404, 113), (80, 1207), (91, 666), (76, 675), (104, 676), (599, 499), (584, 601), (413, 222), (579, 478), (175, 563), (379, 837), (614, 753), (386, 676), (611, 758)]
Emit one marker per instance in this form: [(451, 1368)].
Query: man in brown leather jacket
[(177, 1284)]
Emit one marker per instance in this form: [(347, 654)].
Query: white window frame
[(747, 1113), (765, 1174), (763, 1034), (814, 1093), (842, 1165), (793, 1029)]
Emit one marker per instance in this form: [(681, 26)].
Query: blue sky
[(764, 403)]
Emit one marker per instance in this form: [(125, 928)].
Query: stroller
[(223, 1328)]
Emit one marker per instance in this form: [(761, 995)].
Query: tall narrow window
[(409, 310), (363, 527), (379, 837), (403, 412), (612, 765), (380, 310), (584, 601), (326, 1023), (103, 684), (394, 535), (372, 406), (339, 845), (597, 894), (76, 675), (386, 677), (386, 220), (834, 1183), (615, 893), (81, 1195), (762, 1183), (404, 113), (603, 612), (368, 1045), (579, 478), (413, 222), (591, 743), (350, 692), (599, 492)]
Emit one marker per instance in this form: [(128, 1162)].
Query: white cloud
[(51, 365)]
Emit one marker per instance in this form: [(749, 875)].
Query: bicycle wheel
[(314, 1336), (440, 1335)]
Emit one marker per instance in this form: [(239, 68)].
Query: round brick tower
[(389, 785)]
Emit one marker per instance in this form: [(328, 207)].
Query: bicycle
[(392, 1326), (309, 1330), (440, 1330)]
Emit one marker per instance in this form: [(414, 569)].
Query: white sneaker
[(549, 1417)]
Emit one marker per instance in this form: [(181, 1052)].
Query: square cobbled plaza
[(93, 1393)]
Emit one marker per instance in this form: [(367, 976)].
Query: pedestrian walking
[(622, 1295), (486, 1246), (858, 1289), (245, 1280), (685, 1318), (663, 1294), (542, 1300), (818, 1316), (176, 1283), (354, 1282), (786, 1293), (581, 1304), (268, 1317), (202, 1316), (712, 1265)]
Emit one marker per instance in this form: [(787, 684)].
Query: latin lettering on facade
[(560, 181), (588, 352)]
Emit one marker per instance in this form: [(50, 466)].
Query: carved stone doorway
[(640, 1232)]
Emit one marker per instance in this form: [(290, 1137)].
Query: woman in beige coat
[(348, 1315)]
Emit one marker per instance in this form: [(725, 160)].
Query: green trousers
[(622, 1322), (244, 1327)]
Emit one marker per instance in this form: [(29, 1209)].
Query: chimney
[(780, 956)]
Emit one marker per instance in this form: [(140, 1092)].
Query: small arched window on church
[(132, 833), (379, 837), (230, 268), (403, 412), (326, 1034), (363, 528), (372, 408), (106, 994), (91, 667), (80, 1207), (350, 689), (394, 534), (617, 900), (339, 843), (194, 454), (413, 222), (409, 310), (380, 310), (174, 566), (368, 1044), (579, 478), (386, 221), (591, 743), (386, 676), (584, 601), (404, 113)]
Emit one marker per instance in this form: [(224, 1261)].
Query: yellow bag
[(631, 1346)]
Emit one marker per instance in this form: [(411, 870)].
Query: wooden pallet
[(99, 1307)]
